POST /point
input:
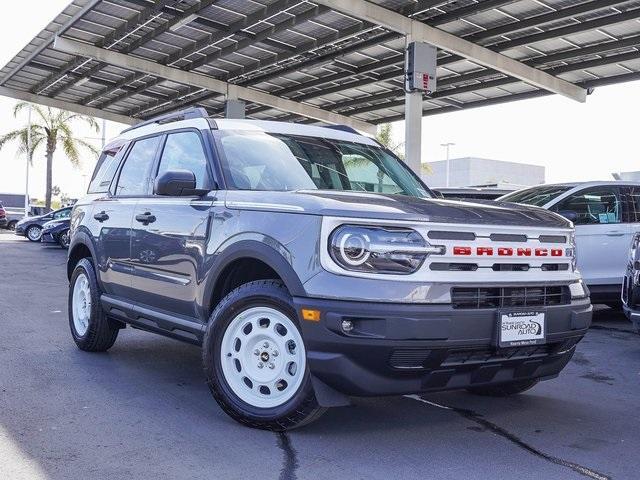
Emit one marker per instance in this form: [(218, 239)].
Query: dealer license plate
[(521, 328)]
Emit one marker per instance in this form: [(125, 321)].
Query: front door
[(170, 233), (112, 217), (602, 238)]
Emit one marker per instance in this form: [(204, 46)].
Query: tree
[(52, 128), (384, 136)]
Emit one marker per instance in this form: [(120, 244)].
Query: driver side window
[(593, 206), (62, 214)]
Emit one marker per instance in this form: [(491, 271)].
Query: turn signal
[(311, 315)]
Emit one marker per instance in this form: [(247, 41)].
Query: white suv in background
[(605, 215)]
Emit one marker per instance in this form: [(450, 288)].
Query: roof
[(309, 53)]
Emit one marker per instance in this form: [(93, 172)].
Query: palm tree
[(52, 129)]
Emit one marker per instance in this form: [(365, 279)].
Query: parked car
[(3, 217), (631, 284), (56, 232), (31, 227), (606, 215), (15, 214), (267, 244)]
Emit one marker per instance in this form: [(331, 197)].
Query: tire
[(236, 382), (64, 239), (12, 226), (34, 233), (90, 328), (504, 389)]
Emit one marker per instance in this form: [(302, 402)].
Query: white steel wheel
[(263, 357), (81, 304), (34, 233)]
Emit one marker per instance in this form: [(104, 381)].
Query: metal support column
[(413, 128)]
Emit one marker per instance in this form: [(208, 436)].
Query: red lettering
[(523, 252), (556, 252), (505, 251), (462, 250), (541, 252), (484, 251)]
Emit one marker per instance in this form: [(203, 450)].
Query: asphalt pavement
[(143, 410)]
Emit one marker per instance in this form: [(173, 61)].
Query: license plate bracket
[(518, 328)]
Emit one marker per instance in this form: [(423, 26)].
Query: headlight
[(571, 251), (371, 249), (634, 247), (51, 226)]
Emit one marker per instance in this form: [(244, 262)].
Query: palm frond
[(70, 149)]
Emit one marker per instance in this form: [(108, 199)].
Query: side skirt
[(170, 325)]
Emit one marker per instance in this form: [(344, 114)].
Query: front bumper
[(20, 230), (631, 297), (49, 238), (398, 349)]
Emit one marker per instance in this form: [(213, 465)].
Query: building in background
[(473, 171)]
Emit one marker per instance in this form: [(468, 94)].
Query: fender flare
[(81, 237), (257, 250)]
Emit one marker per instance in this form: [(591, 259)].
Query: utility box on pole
[(420, 68)]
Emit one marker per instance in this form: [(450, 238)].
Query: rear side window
[(134, 175), (183, 151), (105, 170), (593, 206)]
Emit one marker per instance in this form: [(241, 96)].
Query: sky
[(572, 141)]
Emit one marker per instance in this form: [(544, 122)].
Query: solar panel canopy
[(316, 56)]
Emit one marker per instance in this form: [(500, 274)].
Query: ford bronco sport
[(312, 265)]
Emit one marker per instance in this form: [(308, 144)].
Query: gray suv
[(312, 266)]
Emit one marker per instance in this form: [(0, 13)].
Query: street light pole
[(104, 132), (447, 145), (26, 186)]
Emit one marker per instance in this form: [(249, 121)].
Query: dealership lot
[(143, 409)]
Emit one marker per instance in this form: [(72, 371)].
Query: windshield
[(537, 196), (276, 162)]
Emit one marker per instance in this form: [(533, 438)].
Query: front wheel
[(64, 240), (34, 233), (90, 328), (255, 359), (504, 389)]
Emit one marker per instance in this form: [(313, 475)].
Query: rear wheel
[(34, 233), (12, 225), (255, 359), (63, 239), (90, 328), (504, 389)]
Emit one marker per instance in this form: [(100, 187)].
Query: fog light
[(347, 326)]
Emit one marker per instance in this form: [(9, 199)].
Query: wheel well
[(239, 272), (79, 252)]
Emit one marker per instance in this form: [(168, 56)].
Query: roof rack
[(186, 114), (342, 128)]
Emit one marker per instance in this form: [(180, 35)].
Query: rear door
[(602, 238), (170, 233), (113, 214)]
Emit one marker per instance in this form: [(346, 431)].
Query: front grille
[(423, 358), (502, 297)]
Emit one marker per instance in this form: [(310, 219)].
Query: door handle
[(614, 233), (101, 217), (145, 218)]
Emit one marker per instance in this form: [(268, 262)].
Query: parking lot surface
[(143, 410)]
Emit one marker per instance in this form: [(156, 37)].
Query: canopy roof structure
[(337, 61)]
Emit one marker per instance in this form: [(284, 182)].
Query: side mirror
[(569, 215), (176, 183)]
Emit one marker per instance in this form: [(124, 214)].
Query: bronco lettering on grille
[(509, 252)]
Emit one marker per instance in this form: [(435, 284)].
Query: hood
[(397, 207), (56, 222)]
